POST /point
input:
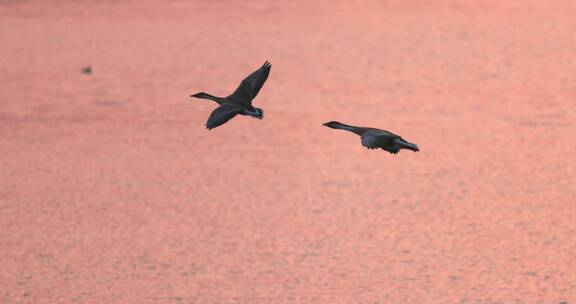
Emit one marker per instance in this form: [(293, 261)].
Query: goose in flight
[(240, 102), (373, 138)]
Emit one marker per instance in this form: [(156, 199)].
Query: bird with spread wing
[(239, 102)]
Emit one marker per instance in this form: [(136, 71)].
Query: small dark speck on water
[(87, 70)]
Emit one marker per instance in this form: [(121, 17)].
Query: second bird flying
[(373, 138)]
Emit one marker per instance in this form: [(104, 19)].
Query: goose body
[(239, 102), (373, 138)]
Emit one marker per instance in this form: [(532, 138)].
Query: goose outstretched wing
[(251, 85), (377, 139), (222, 114)]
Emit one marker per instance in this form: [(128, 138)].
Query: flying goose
[(373, 138), (240, 102)]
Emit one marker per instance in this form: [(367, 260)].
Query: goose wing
[(374, 139), (222, 114), (251, 85)]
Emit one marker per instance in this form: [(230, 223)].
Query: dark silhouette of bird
[(87, 70), (373, 138), (240, 102)]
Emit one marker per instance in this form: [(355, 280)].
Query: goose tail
[(407, 145)]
